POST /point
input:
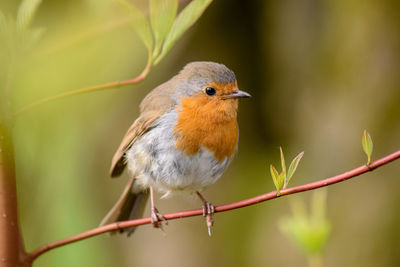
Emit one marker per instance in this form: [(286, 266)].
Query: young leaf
[(281, 180), (26, 12), (162, 15), (275, 178), (367, 145), (282, 160), (293, 166), (186, 18), (140, 24)]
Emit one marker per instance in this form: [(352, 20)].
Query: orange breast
[(208, 122)]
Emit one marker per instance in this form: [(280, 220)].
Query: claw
[(157, 219), (208, 211)]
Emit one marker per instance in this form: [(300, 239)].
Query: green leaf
[(26, 13), (186, 18), (281, 180), (282, 160), (367, 145), (275, 178), (283, 163), (293, 166), (140, 23), (162, 15)]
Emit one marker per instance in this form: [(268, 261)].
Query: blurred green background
[(320, 72)]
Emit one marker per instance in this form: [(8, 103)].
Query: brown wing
[(155, 104), (140, 126)]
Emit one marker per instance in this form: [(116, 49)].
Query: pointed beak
[(237, 94)]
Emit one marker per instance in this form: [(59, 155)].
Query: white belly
[(154, 161)]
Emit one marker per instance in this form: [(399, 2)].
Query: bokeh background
[(320, 72)]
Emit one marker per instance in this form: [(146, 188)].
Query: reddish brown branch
[(12, 249), (240, 204)]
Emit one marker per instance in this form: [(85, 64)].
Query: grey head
[(190, 81), (196, 75)]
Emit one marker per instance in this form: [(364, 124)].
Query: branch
[(12, 249), (240, 204), (95, 88)]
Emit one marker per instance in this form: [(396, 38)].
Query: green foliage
[(26, 13), (186, 18), (283, 164), (293, 166), (276, 178), (281, 180), (17, 36), (63, 153), (367, 145), (165, 29), (309, 232), (140, 23), (162, 15)]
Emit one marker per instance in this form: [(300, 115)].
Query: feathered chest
[(208, 123)]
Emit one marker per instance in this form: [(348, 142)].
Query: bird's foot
[(157, 219), (208, 211)]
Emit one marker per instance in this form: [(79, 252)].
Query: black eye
[(210, 91)]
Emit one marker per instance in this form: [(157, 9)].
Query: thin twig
[(95, 88), (240, 204)]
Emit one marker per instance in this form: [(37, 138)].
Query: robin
[(184, 139)]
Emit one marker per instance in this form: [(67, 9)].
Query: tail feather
[(129, 206)]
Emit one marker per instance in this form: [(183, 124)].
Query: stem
[(240, 204), (12, 251), (11, 246), (95, 88)]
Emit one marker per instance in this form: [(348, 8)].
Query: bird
[(183, 140)]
